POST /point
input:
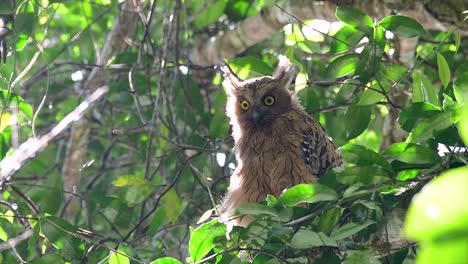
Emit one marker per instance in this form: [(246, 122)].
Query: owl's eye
[(245, 105), (269, 100)]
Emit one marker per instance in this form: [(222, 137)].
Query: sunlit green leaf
[(355, 18), (412, 153), (379, 40), (446, 251), (437, 209), (306, 193), (130, 180), (346, 38), (403, 26), (14, 99), (444, 69), (122, 255), (209, 14), (249, 67), (463, 123), (205, 237), (343, 65), (406, 175), (460, 86)]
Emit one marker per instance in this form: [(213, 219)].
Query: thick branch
[(271, 19), (116, 42)]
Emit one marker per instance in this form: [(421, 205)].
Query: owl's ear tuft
[(231, 81), (285, 72)]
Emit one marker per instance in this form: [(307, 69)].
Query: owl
[(276, 143)]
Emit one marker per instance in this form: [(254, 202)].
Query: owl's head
[(257, 102)]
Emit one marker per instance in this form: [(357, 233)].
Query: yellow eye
[(245, 105), (269, 100)]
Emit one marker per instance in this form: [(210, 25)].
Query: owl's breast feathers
[(291, 150)]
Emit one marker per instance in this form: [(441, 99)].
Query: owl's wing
[(319, 153)]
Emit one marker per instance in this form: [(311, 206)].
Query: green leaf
[(355, 18), (62, 235), (305, 238), (361, 156), (349, 230), (460, 87), (457, 40), (423, 90), (412, 115), (439, 208), (239, 9), (379, 40), (309, 99), (306, 193), (257, 209), (210, 14), (446, 251), (130, 180), (357, 119), (250, 67), (121, 256), (346, 91), (354, 191), (346, 38), (463, 122), (135, 188), (166, 260), (343, 65), (412, 153), (403, 26), (444, 69), (26, 19), (426, 129), (14, 99), (370, 97), (406, 175), (329, 219), (172, 205), (371, 206), (364, 174), (219, 125), (204, 239), (360, 256), (159, 219)]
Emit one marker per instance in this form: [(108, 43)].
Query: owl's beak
[(258, 116)]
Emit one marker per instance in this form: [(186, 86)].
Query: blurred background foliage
[(158, 153)]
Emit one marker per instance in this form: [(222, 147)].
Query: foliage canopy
[(158, 152)]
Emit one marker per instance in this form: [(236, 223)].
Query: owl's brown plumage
[(277, 144)]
